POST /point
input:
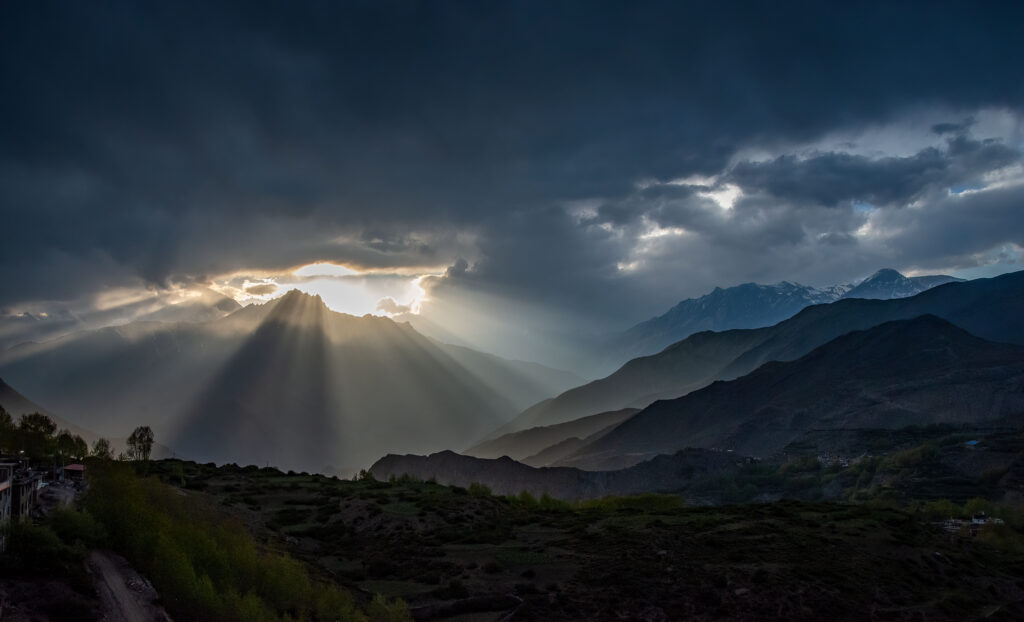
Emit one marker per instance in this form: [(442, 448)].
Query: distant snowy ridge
[(753, 305)]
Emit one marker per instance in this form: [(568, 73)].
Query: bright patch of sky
[(324, 269), (342, 289), (725, 196)]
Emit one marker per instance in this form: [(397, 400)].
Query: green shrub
[(77, 527), (37, 548), (205, 565), (383, 610), (479, 490)]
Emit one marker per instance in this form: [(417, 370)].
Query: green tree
[(81, 448), (101, 449), (64, 444), (140, 443), (8, 433), (36, 431)]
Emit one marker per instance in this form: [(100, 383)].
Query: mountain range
[(289, 383), (917, 374), (752, 305), (505, 476), (988, 308), (294, 384)]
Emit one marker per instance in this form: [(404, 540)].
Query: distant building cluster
[(972, 526), (830, 459), (20, 485)]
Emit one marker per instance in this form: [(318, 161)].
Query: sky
[(516, 176)]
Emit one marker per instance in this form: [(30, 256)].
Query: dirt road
[(125, 596)]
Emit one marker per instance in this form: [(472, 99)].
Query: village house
[(75, 472), (6, 477), (25, 489)]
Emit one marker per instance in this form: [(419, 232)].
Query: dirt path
[(125, 596)]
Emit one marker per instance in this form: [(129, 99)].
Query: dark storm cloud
[(831, 179), (953, 128), (170, 142)]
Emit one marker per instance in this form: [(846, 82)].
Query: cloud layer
[(589, 161)]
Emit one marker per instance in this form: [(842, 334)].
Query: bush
[(479, 490), (205, 565), (526, 500), (77, 527), (383, 610), (548, 502), (37, 548)]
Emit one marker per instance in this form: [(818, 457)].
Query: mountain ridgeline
[(988, 308), (752, 305), (292, 384), (921, 373), (917, 372), (289, 383)]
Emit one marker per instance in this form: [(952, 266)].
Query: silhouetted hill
[(17, 404), (520, 445), (288, 382), (505, 476), (678, 369), (989, 308), (913, 372)]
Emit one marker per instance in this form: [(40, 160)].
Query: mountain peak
[(886, 274), (296, 294), (753, 305), (298, 308), (888, 283)]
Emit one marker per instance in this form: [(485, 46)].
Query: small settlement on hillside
[(20, 486)]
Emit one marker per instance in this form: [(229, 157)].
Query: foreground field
[(459, 554)]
